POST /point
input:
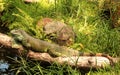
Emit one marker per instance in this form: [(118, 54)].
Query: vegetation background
[(93, 28)]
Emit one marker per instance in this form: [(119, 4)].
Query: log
[(76, 61), (7, 42)]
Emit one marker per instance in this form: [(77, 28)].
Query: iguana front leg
[(15, 44), (25, 43)]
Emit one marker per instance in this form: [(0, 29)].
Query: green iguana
[(57, 31), (61, 33), (40, 45), (53, 49)]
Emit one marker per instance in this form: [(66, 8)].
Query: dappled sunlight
[(2, 3), (47, 3), (87, 29)]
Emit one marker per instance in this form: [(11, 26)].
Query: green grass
[(93, 33), (30, 67)]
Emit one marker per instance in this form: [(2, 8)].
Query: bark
[(76, 61), (6, 42)]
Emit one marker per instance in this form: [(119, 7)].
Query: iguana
[(57, 31), (53, 49), (40, 45), (64, 35)]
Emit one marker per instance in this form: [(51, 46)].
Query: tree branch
[(76, 61)]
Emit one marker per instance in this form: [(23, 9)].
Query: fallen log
[(7, 42), (77, 61)]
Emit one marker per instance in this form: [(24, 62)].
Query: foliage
[(28, 67), (93, 32), (1, 5)]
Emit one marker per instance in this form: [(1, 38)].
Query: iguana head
[(17, 34)]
